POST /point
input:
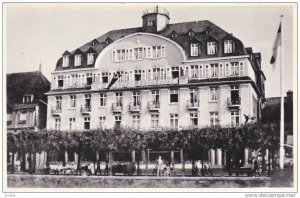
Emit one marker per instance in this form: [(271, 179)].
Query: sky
[(40, 33)]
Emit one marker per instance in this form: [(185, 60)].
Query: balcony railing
[(117, 108), (192, 105), (56, 110), (153, 106), (156, 10), (234, 102), (85, 109), (134, 107)]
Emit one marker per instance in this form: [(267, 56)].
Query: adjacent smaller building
[(26, 101)]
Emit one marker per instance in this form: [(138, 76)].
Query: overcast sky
[(42, 32)]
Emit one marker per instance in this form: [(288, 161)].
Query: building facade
[(26, 101), (191, 74)]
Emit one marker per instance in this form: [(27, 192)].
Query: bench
[(242, 170)]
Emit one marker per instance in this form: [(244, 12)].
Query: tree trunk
[(138, 163), (263, 161), (79, 163), (182, 161), (147, 159), (110, 161), (229, 162), (23, 161), (193, 167), (13, 162), (34, 162), (29, 163), (269, 163), (47, 159)]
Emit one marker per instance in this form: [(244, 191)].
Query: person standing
[(159, 166)]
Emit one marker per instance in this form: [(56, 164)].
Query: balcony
[(85, 109), (233, 102), (192, 105), (153, 106), (56, 111), (117, 108), (134, 107)]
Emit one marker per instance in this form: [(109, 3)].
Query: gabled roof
[(19, 84)]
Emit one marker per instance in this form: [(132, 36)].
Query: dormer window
[(90, 58), (194, 49), (27, 99), (191, 33), (174, 34), (66, 60), (78, 59), (208, 30), (150, 23), (94, 42), (108, 41), (228, 47), (211, 48)]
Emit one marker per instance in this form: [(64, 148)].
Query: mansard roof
[(203, 30)]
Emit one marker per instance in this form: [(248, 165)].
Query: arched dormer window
[(66, 59), (95, 42), (174, 34), (108, 41)]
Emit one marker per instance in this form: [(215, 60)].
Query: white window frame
[(90, 58), (72, 125), (136, 121), (72, 101), (211, 48), (214, 69), (154, 120), (173, 92), (102, 122), (214, 118), (234, 115), (201, 71), (66, 61), (194, 71), (174, 120), (57, 124), (228, 46), (193, 116), (194, 49), (27, 98), (235, 70), (242, 69), (102, 99), (78, 60), (214, 94)]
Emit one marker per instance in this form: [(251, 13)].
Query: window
[(58, 102), (214, 70), (102, 122), (90, 58), (9, 119), (86, 123), (137, 75), (194, 119), (214, 94), (105, 77), (194, 71), (227, 69), (57, 124), (221, 74), (235, 118), (73, 101), (163, 51), (174, 121), (136, 121), (60, 81), (211, 48), (174, 34), (201, 71), (27, 99), (228, 46), (193, 96), (22, 118), (74, 80), (234, 68), (207, 71), (155, 96), (72, 124), (214, 118), (66, 61), (150, 23), (175, 72), (102, 99), (191, 33), (88, 101), (194, 49), (136, 98), (138, 53), (235, 95), (174, 96), (119, 99), (241, 69), (154, 120), (78, 58), (118, 120), (156, 51), (89, 79), (156, 73)]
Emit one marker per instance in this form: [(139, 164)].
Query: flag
[(114, 79), (276, 44)]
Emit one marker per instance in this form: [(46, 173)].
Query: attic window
[(150, 23), (27, 99), (174, 34), (211, 48), (78, 58), (208, 30), (66, 60), (194, 49), (108, 41), (228, 48), (191, 33), (90, 58), (94, 42)]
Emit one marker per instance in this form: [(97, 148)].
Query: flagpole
[(281, 149)]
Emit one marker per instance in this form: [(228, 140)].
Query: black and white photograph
[(150, 97)]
